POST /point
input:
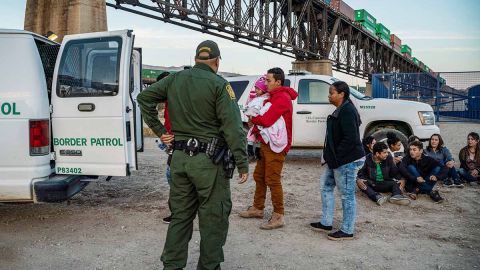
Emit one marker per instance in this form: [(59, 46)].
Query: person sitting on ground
[(368, 143), (412, 138), (380, 174), (437, 150), (470, 159), (422, 172), (394, 146)]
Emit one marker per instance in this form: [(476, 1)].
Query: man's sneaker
[(399, 199), (318, 226), (339, 236), (457, 183), (448, 182), (436, 196), (381, 199), (275, 222), (251, 212), (167, 220)]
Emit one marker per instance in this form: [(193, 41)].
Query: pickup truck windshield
[(358, 95), (354, 92)]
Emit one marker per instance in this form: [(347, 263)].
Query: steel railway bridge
[(301, 29)]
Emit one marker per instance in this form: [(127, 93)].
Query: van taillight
[(39, 137)]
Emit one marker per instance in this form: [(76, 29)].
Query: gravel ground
[(117, 225)]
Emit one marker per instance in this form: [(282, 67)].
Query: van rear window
[(89, 68), (239, 87)]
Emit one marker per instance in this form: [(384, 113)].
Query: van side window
[(286, 83), (239, 87), (312, 92), (90, 68)]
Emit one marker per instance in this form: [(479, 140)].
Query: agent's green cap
[(210, 47)]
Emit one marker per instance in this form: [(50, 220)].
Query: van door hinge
[(51, 108), (53, 156)]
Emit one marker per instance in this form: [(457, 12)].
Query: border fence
[(454, 96)]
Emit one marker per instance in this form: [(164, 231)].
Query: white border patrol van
[(68, 113), (311, 109)]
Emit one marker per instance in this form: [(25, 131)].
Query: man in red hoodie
[(269, 168)]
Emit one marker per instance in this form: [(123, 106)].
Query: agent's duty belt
[(216, 150), (191, 146)]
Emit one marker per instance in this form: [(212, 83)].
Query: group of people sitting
[(415, 170)]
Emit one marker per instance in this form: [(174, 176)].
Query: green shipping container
[(384, 39), (442, 80), (382, 30), (152, 74), (368, 27), (416, 61), (361, 15), (406, 49)]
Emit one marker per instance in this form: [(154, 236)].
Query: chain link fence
[(454, 96)]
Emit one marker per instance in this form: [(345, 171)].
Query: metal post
[(437, 106), (395, 83)]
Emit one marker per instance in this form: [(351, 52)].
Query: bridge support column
[(319, 67), (64, 17)]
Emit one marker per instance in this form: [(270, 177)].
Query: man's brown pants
[(268, 172)]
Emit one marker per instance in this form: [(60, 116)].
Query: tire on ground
[(381, 136)]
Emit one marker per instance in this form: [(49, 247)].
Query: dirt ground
[(117, 225)]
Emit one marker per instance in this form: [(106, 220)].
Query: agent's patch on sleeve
[(230, 91)]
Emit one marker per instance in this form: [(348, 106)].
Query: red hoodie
[(281, 99)]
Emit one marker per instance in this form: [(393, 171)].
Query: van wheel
[(381, 136)]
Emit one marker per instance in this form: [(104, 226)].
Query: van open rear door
[(95, 121)]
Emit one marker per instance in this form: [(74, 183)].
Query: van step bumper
[(59, 188)]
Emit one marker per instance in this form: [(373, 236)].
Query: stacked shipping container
[(366, 20), (415, 61), (406, 51), (343, 8), (383, 33), (396, 43)]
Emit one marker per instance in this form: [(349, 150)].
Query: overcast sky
[(444, 34)]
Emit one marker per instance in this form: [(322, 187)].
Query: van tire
[(381, 135)]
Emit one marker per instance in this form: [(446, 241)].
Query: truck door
[(310, 113), (93, 107)]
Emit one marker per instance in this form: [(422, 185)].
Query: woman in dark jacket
[(437, 150), (470, 159), (344, 155), (368, 142)]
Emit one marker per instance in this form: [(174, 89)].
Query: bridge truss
[(301, 29)]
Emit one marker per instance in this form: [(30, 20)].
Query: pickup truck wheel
[(381, 136)]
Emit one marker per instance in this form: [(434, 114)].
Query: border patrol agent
[(205, 120)]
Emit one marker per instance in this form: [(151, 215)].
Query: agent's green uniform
[(202, 105)]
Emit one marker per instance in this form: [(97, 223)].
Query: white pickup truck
[(67, 112), (311, 108)]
